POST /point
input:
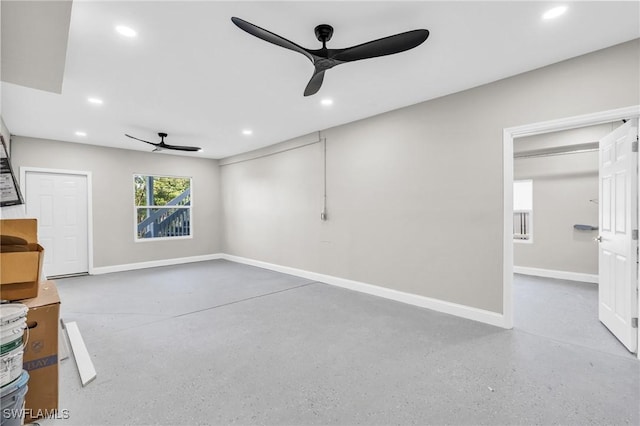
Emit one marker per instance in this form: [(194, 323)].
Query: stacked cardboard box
[(21, 259), (41, 352)]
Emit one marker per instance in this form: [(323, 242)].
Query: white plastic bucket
[(10, 312), (11, 335), (13, 322), (12, 401), (11, 366)]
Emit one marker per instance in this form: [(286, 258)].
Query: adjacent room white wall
[(563, 186), (112, 176), (414, 195)]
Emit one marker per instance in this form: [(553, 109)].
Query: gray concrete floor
[(566, 311), (222, 343)]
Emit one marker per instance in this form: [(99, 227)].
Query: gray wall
[(112, 174), (562, 188), (414, 195)]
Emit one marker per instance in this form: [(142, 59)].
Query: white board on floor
[(80, 353), (63, 346)]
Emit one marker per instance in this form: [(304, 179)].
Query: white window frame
[(528, 240), (135, 210)]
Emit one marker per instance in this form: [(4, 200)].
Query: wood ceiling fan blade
[(384, 46), (315, 83), (270, 37)]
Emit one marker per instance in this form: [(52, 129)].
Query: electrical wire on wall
[(242, 158), (323, 213)]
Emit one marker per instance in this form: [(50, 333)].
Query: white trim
[(560, 275), (475, 314), (23, 184), (508, 135), (573, 122), (154, 264), (155, 239), (80, 353), (507, 232)]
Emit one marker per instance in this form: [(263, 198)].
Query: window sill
[(148, 240)]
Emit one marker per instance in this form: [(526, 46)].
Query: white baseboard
[(153, 264), (561, 275), (475, 314)]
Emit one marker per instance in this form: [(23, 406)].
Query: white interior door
[(618, 248), (59, 202)]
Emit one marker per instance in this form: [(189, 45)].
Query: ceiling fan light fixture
[(247, 132), (81, 133), (95, 101), (554, 12), (326, 102)]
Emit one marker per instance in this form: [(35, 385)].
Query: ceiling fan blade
[(141, 140), (315, 83), (181, 148), (270, 37), (384, 46)]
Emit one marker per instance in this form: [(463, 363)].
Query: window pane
[(140, 187), (163, 222), (522, 225), (523, 195), (162, 206), (162, 191)]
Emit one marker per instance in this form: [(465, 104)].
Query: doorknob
[(598, 238)]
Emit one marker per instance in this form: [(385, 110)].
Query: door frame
[(23, 184), (508, 135)]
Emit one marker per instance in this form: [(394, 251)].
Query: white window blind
[(522, 209)]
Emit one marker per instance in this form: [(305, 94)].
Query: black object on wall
[(10, 194)]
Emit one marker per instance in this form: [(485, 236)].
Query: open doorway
[(556, 216), (510, 135)]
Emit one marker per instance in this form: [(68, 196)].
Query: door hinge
[(634, 234), (634, 322), (634, 146)]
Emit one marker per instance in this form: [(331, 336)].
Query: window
[(162, 207), (522, 210)]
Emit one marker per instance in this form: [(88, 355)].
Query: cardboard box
[(21, 259), (41, 353)]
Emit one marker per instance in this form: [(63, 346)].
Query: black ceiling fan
[(324, 58), (161, 145)]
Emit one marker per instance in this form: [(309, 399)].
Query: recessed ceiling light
[(126, 31), (555, 12), (96, 101), (326, 102), (247, 132), (81, 133)]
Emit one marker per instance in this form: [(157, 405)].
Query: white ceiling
[(193, 74)]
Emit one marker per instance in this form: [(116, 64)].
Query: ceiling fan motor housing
[(324, 32)]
